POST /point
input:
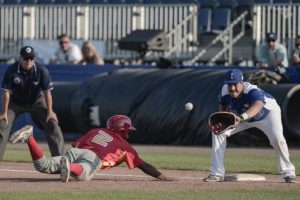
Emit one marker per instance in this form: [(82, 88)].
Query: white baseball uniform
[(267, 120)]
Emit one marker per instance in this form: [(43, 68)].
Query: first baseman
[(99, 148), (255, 108)]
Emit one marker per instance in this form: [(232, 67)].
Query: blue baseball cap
[(233, 76), (271, 36)]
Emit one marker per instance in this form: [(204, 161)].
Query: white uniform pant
[(85, 157), (271, 125)]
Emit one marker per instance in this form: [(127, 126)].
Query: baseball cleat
[(65, 169), (290, 179), (213, 178), (21, 135)]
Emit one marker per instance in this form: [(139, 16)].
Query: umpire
[(27, 87)]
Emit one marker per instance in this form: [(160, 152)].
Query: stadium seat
[(227, 3), (11, 1), (262, 1), (170, 1), (151, 1), (45, 1), (209, 3), (28, 2), (107, 1), (189, 1), (204, 20), (221, 18), (242, 3), (80, 1), (243, 6), (62, 1), (282, 1), (133, 1)]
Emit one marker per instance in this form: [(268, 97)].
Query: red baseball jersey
[(109, 147)]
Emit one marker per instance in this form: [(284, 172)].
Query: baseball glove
[(219, 122)]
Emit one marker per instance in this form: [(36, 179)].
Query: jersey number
[(102, 138)]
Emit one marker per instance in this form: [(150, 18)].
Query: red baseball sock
[(35, 150), (76, 169)]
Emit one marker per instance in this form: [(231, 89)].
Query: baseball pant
[(38, 112), (86, 158), (271, 125)]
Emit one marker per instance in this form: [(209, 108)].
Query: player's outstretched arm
[(152, 171)]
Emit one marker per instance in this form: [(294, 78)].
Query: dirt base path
[(23, 177)]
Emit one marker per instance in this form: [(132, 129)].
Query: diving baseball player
[(99, 148), (255, 108)]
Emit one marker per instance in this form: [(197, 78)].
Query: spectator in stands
[(67, 53), (296, 52), (90, 54), (271, 53)]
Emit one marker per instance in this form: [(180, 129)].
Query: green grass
[(20, 154), (235, 161), (263, 163), (157, 195)]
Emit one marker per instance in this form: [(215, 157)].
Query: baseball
[(189, 106)]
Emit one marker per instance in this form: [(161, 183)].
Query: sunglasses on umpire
[(297, 44), (28, 58)]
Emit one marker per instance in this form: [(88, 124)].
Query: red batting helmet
[(120, 124)]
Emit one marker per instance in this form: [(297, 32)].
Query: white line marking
[(104, 174), (18, 170)]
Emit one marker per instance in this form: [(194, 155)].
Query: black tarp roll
[(288, 98), (155, 99), (62, 97)]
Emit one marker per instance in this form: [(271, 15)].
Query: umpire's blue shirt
[(26, 86)]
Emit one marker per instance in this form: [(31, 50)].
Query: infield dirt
[(16, 176)]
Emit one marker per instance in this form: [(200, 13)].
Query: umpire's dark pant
[(38, 112)]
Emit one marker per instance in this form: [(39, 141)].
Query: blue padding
[(293, 74), (73, 73), (78, 73)]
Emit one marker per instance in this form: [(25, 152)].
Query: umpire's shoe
[(213, 178), (65, 169), (21, 135)]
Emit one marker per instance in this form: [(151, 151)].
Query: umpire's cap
[(27, 52), (233, 76)]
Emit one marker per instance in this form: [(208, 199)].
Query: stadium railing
[(106, 22)]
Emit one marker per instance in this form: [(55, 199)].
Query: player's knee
[(43, 165), (89, 171), (277, 141), (41, 168), (3, 125), (51, 124)]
